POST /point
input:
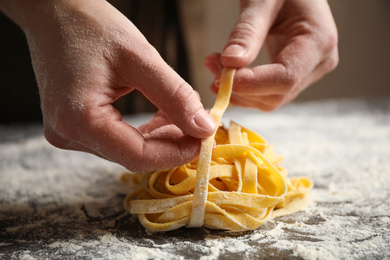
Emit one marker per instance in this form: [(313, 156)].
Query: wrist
[(29, 14), (26, 13), (10, 9)]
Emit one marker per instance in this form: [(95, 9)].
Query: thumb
[(180, 102), (249, 33)]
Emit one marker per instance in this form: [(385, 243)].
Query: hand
[(86, 55), (301, 37)]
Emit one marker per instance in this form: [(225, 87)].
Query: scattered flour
[(60, 204)]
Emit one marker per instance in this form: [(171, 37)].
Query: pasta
[(236, 186)]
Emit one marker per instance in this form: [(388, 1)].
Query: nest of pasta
[(246, 187)]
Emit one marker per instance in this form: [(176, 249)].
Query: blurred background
[(185, 31)]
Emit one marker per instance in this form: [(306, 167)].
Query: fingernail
[(204, 120), (234, 50), (217, 82)]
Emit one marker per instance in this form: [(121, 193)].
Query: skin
[(86, 55), (301, 38)]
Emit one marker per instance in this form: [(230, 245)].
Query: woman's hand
[(86, 55), (301, 37)]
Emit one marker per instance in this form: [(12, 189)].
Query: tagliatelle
[(237, 186)]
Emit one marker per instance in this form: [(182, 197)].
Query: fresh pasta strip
[(237, 186), (204, 162)]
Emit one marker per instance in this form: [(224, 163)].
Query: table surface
[(65, 204)]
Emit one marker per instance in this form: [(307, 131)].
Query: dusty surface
[(56, 204)]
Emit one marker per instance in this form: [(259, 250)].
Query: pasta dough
[(237, 186)]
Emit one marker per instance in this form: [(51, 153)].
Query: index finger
[(292, 65), (119, 142)]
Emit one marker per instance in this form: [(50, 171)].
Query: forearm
[(30, 14), (10, 8)]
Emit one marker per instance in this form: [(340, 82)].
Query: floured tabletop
[(61, 204)]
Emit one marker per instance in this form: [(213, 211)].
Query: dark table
[(62, 204)]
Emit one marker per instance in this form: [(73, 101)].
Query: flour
[(60, 204)]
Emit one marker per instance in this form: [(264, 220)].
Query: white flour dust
[(60, 204)]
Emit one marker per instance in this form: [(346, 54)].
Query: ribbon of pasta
[(202, 175), (237, 186)]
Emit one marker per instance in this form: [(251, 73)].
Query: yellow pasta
[(236, 186)]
